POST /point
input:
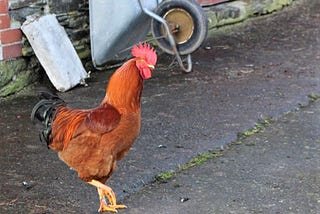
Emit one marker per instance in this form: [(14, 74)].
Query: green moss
[(256, 129), (84, 54), (266, 6), (238, 11), (165, 175), (19, 82), (201, 158), (314, 96), (10, 68), (276, 5), (266, 122)]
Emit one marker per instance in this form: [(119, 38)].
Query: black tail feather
[(44, 112)]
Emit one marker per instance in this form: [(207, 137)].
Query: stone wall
[(237, 11), (19, 66)]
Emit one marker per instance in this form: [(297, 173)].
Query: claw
[(106, 192), (111, 208)]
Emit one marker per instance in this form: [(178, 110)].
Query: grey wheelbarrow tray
[(116, 25)]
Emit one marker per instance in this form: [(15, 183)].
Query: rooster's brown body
[(91, 141)]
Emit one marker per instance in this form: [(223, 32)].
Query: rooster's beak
[(151, 66)]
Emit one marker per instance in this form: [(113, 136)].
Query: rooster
[(91, 141)]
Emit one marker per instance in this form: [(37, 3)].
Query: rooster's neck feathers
[(125, 87)]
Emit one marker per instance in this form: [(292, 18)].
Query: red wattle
[(146, 73)]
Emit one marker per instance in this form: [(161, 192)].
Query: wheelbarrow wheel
[(187, 23)]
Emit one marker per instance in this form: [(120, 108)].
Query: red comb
[(145, 51)]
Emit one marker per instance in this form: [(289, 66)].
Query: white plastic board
[(55, 51)]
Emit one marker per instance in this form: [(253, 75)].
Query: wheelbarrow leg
[(170, 38)]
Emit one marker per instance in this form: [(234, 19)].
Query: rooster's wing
[(103, 119)]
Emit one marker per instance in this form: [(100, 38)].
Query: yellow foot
[(106, 192), (104, 207), (110, 208)]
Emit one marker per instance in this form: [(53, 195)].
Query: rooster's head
[(146, 59)]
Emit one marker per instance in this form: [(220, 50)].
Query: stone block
[(227, 13)]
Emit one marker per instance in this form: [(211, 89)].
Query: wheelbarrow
[(178, 26)]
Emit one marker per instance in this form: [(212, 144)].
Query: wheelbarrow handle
[(170, 37)]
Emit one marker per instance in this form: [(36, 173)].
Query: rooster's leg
[(105, 191)]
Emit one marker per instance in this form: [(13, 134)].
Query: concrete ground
[(274, 171), (261, 71)]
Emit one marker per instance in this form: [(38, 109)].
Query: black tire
[(191, 12)]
